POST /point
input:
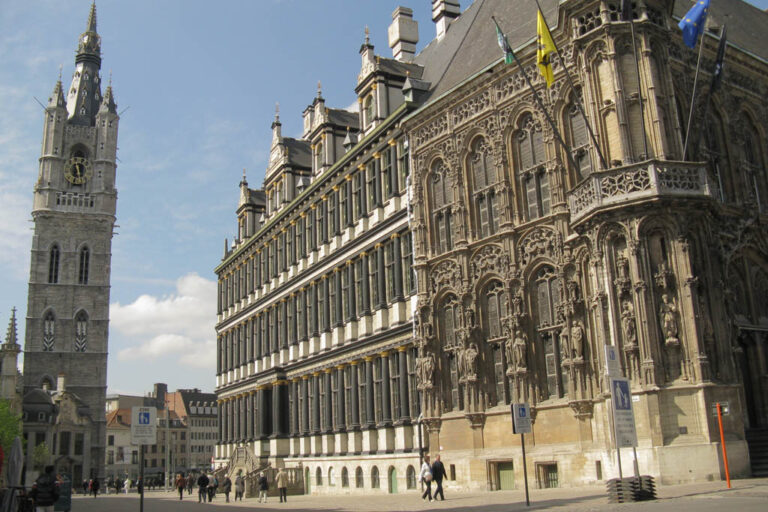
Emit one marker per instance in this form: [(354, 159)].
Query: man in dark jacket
[(438, 472), (45, 492), (263, 487), (202, 488)]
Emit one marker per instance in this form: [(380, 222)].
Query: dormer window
[(319, 157), (368, 110)]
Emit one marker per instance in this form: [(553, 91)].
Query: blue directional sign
[(143, 425), (144, 418), (521, 418)]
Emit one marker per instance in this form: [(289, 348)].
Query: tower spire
[(85, 93), (11, 336)]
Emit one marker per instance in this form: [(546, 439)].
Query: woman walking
[(425, 475)]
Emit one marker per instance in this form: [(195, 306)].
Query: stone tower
[(74, 216)]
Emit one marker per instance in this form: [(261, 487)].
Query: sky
[(196, 83)]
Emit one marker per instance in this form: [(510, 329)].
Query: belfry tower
[(74, 216)]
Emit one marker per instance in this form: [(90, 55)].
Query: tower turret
[(85, 92)]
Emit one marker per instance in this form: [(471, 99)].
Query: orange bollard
[(722, 443)]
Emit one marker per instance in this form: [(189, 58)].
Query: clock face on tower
[(78, 170)]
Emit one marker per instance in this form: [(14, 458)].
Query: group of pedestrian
[(206, 488), (429, 473), (91, 486)]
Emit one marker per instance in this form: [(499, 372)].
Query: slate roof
[(299, 153), (341, 117), (470, 44)]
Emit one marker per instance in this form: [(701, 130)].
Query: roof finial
[(61, 68), (92, 18), (367, 35), (243, 173), (11, 336), (319, 89), (110, 78)]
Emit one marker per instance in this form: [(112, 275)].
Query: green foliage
[(41, 456), (10, 425)]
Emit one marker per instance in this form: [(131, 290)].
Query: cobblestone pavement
[(746, 496)]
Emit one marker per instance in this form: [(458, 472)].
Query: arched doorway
[(392, 480)]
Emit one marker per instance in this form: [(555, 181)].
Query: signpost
[(143, 431), (521, 424)]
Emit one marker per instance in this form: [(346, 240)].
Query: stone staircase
[(757, 440)]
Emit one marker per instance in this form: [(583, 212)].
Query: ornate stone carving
[(668, 318), (516, 351), (664, 277), (432, 130), (471, 107), (582, 409), (446, 274), (540, 242), (628, 325), (467, 363), (577, 340), (489, 259), (425, 369)]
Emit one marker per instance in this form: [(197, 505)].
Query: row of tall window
[(484, 175), (81, 332), (54, 264), (341, 207), (366, 283), (376, 392)]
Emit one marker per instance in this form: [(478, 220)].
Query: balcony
[(651, 179)]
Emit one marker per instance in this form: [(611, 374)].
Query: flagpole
[(603, 162), (709, 94), (693, 98), (538, 99), (639, 83)]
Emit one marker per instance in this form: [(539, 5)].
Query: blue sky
[(197, 84)]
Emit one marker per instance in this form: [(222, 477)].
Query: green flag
[(509, 56)]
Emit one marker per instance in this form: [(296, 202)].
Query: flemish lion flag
[(545, 48), (509, 56)]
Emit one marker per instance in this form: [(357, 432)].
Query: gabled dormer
[(250, 210), (380, 85), (326, 129), (289, 168)]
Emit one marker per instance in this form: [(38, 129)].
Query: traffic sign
[(521, 418), (623, 418), (612, 363), (143, 425)]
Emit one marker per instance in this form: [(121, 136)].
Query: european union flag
[(693, 23)]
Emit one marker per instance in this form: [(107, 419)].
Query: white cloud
[(179, 326)]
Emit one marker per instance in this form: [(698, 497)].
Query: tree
[(10, 425), (41, 456)]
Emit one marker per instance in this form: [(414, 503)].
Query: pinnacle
[(11, 337), (92, 18)]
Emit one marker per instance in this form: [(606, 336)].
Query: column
[(295, 413), (257, 337), (241, 418), (350, 202), (324, 206), (351, 291), (339, 299), (315, 313), (369, 411), (278, 412), (264, 416), (327, 303), (275, 334), (377, 179), (328, 427), (393, 171), (386, 402), (231, 419), (284, 334), (258, 412), (305, 404), (402, 360), (218, 357), (249, 340), (366, 305), (316, 404), (380, 277), (341, 410), (220, 418), (355, 397), (249, 416), (294, 304), (398, 268), (266, 317)]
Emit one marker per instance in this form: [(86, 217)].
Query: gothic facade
[(74, 216), (531, 257), (409, 271)]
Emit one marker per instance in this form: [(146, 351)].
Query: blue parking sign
[(144, 418)]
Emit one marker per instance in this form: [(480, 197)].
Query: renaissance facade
[(529, 257)]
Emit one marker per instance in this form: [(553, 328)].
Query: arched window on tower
[(484, 179), (442, 198), (368, 110), (448, 322), (82, 274), (49, 331), (531, 157), (81, 332), (493, 310), (546, 294), (53, 265), (319, 157)]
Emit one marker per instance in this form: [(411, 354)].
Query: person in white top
[(425, 475)]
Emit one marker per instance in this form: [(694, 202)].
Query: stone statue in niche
[(564, 341), (517, 352), (577, 340), (469, 359), (668, 317), (425, 369), (628, 324)]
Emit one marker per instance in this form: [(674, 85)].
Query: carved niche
[(489, 259), (446, 274), (540, 242)]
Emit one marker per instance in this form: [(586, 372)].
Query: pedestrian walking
[(86, 488), (425, 475), (95, 487), (226, 487), (140, 486), (126, 485), (213, 484), (190, 483), (202, 488), (45, 491), (118, 485), (180, 485), (239, 486), (438, 472), (281, 480), (263, 487)]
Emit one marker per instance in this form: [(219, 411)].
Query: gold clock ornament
[(78, 170)]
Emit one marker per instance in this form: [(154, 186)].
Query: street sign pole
[(521, 424), (141, 477), (143, 431)]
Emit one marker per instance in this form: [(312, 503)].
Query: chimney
[(160, 391), (60, 382), (403, 34), (443, 13)]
